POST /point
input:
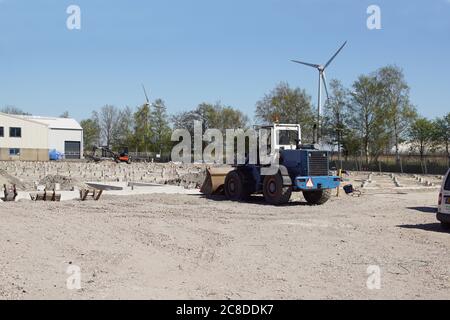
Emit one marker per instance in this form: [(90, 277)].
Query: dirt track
[(183, 246)]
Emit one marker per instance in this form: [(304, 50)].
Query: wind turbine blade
[(145, 93), (324, 80), (307, 64), (334, 56)]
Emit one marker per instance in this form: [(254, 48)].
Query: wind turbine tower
[(322, 81)]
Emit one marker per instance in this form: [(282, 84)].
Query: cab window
[(287, 137)]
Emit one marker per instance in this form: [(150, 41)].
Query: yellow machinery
[(215, 180)]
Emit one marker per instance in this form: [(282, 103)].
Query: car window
[(447, 183)]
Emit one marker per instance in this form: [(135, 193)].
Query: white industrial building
[(31, 138)]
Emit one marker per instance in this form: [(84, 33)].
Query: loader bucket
[(215, 179)]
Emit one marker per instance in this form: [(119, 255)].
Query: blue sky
[(187, 52)]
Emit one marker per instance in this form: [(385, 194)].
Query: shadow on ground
[(424, 209), (255, 200), (432, 227)]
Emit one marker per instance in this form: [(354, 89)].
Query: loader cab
[(282, 136)]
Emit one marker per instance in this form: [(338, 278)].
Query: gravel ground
[(189, 247)]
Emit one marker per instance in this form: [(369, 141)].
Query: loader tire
[(274, 191), (235, 188), (318, 197)]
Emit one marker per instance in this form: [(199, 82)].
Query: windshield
[(287, 137)]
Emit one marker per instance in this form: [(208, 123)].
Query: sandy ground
[(189, 247)]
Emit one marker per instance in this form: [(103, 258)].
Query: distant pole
[(401, 163), (340, 149), (339, 186), (319, 102)]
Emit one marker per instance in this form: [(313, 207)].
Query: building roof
[(55, 123), (22, 118)]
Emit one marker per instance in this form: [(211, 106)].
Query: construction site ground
[(169, 242)]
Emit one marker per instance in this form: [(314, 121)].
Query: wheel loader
[(301, 168)]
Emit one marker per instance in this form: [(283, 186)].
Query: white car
[(444, 202)]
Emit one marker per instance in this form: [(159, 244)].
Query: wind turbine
[(322, 79), (146, 96), (147, 103)]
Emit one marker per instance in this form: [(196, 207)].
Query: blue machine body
[(308, 170), (317, 183)]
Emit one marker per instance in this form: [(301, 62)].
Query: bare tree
[(65, 114), (14, 110), (108, 120)]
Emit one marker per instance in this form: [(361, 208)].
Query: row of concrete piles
[(399, 181), (107, 171)]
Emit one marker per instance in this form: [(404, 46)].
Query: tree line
[(373, 117), (149, 127)]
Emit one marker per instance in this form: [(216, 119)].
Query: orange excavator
[(105, 153)]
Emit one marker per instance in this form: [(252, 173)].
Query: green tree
[(422, 134), (442, 133), (161, 131), (142, 128), (231, 118), (335, 120), (351, 143), (368, 116), (214, 116), (287, 105), (398, 111), (91, 133), (124, 135)]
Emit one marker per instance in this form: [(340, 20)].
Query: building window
[(2, 133), (15, 132), (14, 152)]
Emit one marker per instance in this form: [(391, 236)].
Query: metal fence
[(411, 163), (150, 157)]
